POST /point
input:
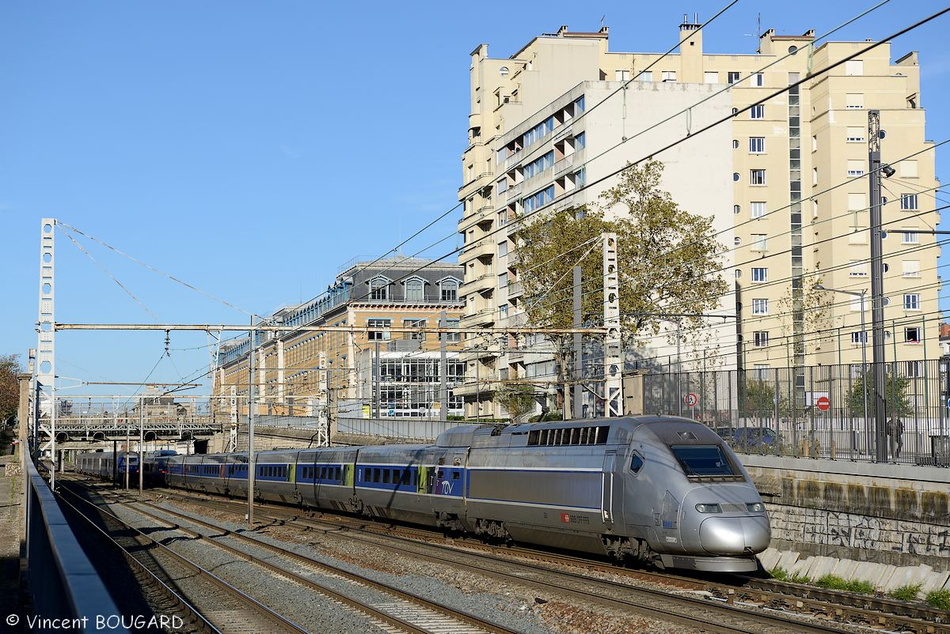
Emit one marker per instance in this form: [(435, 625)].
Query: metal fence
[(817, 411)]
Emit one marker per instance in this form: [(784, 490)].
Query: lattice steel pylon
[(46, 336), (613, 352)]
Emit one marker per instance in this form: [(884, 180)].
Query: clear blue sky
[(251, 148)]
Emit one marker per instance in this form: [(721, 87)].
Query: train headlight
[(755, 507), (709, 508)]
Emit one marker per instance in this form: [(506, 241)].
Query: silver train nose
[(734, 535)]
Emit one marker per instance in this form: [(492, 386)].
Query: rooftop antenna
[(758, 27)]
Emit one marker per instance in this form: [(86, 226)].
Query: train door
[(607, 489), (426, 478)]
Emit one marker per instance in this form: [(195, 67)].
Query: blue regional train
[(662, 490)]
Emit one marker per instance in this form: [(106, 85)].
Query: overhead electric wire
[(808, 77)]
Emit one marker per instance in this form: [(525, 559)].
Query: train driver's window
[(636, 463)]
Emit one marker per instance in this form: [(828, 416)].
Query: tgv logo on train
[(658, 489)]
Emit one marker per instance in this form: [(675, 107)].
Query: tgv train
[(103, 464), (658, 489)]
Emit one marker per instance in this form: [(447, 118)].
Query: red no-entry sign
[(823, 403)]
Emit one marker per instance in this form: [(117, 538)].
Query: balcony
[(481, 249), (563, 165), (514, 192), (483, 282), (515, 289), (483, 317)]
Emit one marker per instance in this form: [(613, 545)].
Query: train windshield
[(703, 460)]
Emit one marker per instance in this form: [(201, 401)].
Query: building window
[(859, 268), (912, 301), (757, 111), (756, 145), (711, 77), (379, 288), (736, 209), (910, 268), (415, 290), (760, 307), (757, 177), (859, 338), (451, 337), (621, 75), (908, 202), (915, 369), (732, 77), (855, 134), (757, 208), (760, 338), (758, 80), (760, 371), (912, 334), (908, 169), (419, 329), (381, 325), (760, 274), (854, 101), (645, 76), (854, 67), (668, 75), (759, 242), (855, 168), (449, 290), (910, 237)]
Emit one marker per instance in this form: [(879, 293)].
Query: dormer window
[(415, 289), (449, 290), (379, 288)]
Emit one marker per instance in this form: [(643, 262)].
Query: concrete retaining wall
[(890, 514)]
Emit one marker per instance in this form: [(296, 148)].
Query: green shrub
[(939, 599), (832, 582), (796, 578), (906, 593), (779, 573), (862, 587)]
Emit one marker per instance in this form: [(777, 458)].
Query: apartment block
[(770, 145)]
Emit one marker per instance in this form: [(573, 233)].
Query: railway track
[(832, 609), (683, 609), (390, 609), (222, 608)]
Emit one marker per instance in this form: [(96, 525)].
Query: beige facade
[(785, 179), (387, 309)]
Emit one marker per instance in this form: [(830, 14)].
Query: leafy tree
[(9, 387), (667, 262), (895, 395), (759, 399), (517, 399)]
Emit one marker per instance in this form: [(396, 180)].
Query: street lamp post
[(864, 352)]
